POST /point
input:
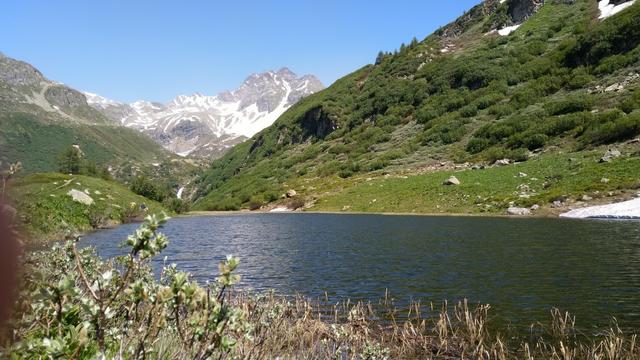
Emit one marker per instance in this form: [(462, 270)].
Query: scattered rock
[(522, 175), (556, 204), (604, 180), (614, 87), (535, 207), (634, 141), (586, 198), (518, 211), (81, 197), (291, 193), (610, 155), (346, 208), (452, 181), (502, 162)]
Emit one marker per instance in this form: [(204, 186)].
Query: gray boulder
[(81, 197), (610, 155), (518, 211), (452, 181)]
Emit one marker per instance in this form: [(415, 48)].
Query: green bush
[(612, 131), (469, 111), (569, 105), (476, 145), (228, 204), (535, 141), (256, 202), (142, 186)]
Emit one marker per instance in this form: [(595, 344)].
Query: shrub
[(535, 141), (176, 205), (228, 204), (89, 308), (612, 131), (476, 145), (144, 187), (256, 202), (486, 101), (469, 111), (568, 105)]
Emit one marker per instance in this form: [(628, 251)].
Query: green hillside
[(37, 144), (563, 82), (48, 211)]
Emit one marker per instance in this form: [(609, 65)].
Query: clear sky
[(154, 50)]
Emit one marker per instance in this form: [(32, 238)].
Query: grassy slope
[(49, 213), (489, 190), (491, 97), (37, 144)]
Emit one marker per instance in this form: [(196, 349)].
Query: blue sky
[(155, 50)]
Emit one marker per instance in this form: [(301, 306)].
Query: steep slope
[(511, 80), (200, 125)]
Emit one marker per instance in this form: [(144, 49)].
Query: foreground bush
[(76, 306)]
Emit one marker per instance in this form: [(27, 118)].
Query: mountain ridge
[(203, 125)]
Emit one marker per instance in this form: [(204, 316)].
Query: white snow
[(508, 30), (186, 152), (607, 9), (280, 209), (243, 112), (622, 210), (180, 191)]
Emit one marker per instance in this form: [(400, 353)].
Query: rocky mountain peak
[(205, 125)]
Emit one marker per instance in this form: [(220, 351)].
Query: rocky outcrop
[(63, 96), (19, 73), (494, 14), (521, 10), (317, 123)]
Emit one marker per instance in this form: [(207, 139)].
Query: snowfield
[(622, 210), (607, 9)]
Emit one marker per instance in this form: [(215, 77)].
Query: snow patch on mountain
[(607, 9), (210, 124), (508, 30)]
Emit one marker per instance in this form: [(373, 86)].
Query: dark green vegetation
[(75, 305), (48, 212), (563, 82)]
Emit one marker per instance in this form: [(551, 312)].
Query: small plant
[(83, 307)]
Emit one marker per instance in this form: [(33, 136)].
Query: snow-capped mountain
[(202, 125)]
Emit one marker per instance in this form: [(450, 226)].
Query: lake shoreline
[(488, 215)]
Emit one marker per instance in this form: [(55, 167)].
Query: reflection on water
[(522, 267)]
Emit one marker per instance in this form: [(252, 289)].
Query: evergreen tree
[(414, 42), (69, 161), (379, 58)]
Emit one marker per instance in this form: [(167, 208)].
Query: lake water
[(522, 267)]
